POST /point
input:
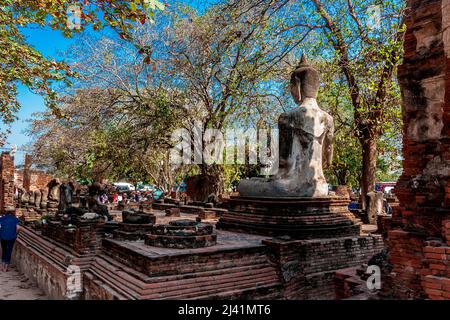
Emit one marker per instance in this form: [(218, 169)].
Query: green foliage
[(21, 63), (228, 66)]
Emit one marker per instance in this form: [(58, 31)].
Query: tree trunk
[(209, 182), (369, 166), (214, 174)]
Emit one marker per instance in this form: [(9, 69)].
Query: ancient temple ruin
[(274, 240), (287, 245), (419, 234)]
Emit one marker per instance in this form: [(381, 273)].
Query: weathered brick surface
[(84, 237), (27, 173), (37, 179), (6, 181), (46, 262), (308, 267), (190, 209), (299, 218), (424, 188), (239, 266)]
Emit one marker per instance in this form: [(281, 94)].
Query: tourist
[(9, 228), (104, 198)]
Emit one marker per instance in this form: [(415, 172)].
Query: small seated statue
[(305, 142), (25, 198), (31, 198), (93, 203), (53, 193), (65, 197), (44, 199)]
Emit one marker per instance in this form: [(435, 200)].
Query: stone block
[(173, 212)]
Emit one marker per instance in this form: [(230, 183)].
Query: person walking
[(9, 229)]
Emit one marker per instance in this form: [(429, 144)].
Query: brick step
[(52, 253), (119, 291), (147, 279), (272, 292), (237, 284), (217, 281), (225, 262), (287, 223), (48, 242), (288, 213), (293, 226), (223, 279), (137, 293), (44, 247), (166, 283)]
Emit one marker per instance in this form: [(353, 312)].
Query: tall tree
[(376, 54), (364, 39), (100, 137), (21, 63)]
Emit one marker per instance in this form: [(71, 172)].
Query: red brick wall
[(6, 181), (38, 179), (423, 188), (27, 173)]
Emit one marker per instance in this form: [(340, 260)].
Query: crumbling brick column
[(27, 173), (6, 181), (419, 250)]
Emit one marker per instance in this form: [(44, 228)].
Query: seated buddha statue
[(305, 144)]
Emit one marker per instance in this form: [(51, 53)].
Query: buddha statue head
[(304, 81)]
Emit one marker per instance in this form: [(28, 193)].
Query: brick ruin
[(27, 173), (168, 258), (6, 181), (418, 238), (29, 179), (118, 261)]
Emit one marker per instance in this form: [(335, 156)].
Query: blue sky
[(52, 44)]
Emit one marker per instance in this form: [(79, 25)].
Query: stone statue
[(25, 198), (93, 202), (44, 199), (305, 142), (37, 198), (65, 197), (53, 194), (31, 198)]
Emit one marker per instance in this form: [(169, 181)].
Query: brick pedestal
[(298, 218)]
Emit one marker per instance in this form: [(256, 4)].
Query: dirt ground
[(15, 286)]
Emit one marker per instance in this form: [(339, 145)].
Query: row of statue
[(57, 199), (44, 199)]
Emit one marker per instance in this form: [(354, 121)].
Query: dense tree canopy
[(21, 63)]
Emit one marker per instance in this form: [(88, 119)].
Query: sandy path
[(15, 286)]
